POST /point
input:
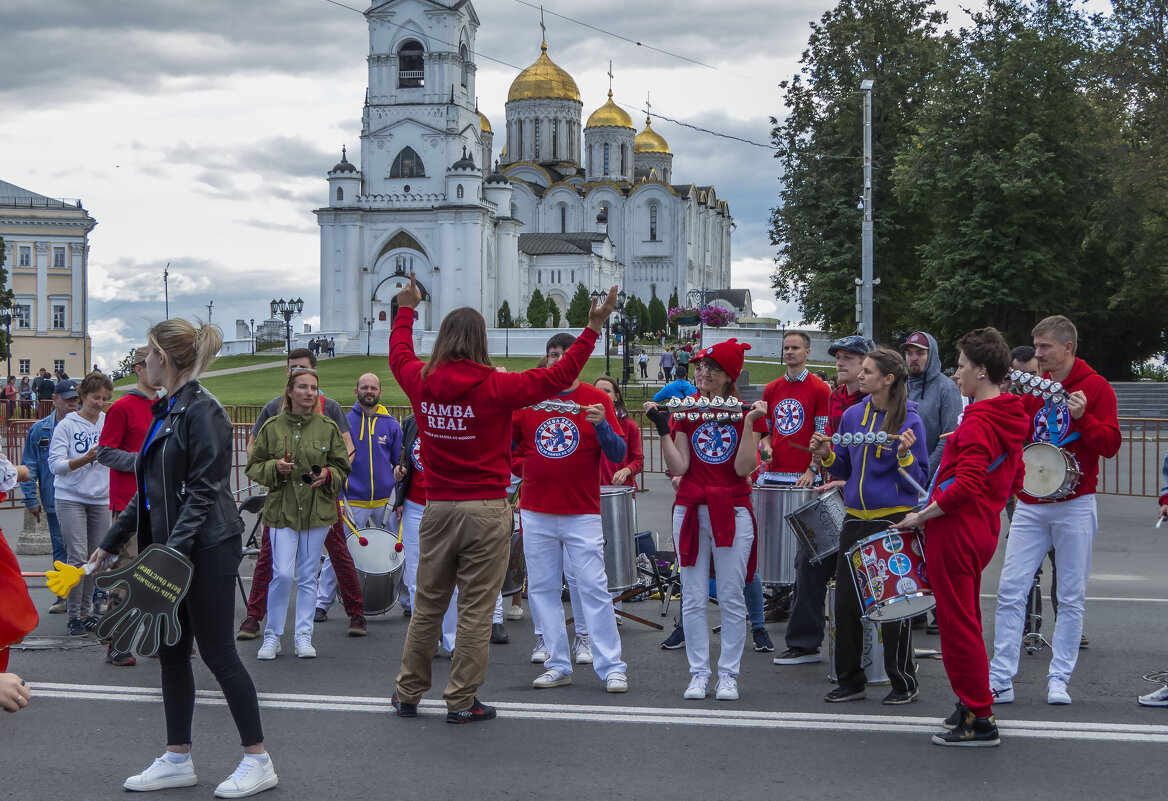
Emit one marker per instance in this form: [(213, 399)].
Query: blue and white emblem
[(557, 437), (788, 416), (1062, 423), (900, 564), (713, 443), (416, 454)]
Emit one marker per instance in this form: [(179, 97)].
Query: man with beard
[(938, 399)]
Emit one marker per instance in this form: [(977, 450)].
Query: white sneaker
[(250, 777), (304, 649), (1056, 692), (271, 647), (583, 650), (697, 689), (727, 688), (540, 652), (552, 678), (1158, 698), (617, 683), (1002, 695), (514, 613), (164, 774)]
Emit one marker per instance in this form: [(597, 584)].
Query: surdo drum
[(777, 543), (818, 523), (618, 517), (1051, 472), (379, 566), (889, 571)]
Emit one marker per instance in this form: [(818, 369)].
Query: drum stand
[(624, 596), (1033, 640)]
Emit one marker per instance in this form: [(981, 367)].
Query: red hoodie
[(1098, 428), (989, 429), (463, 410)]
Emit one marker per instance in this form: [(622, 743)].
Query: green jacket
[(310, 439)]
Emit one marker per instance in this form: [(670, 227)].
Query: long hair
[(462, 335), (618, 402), (889, 362), (295, 373), (188, 349)]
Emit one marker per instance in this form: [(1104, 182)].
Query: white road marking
[(583, 713), (1101, 598)]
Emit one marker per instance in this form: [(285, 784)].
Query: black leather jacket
[(185, 472)]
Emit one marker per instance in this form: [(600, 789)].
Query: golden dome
[(484, 123), (649, 141), (610, 114), (543, 79)]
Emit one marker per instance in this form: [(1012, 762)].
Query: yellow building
[(46, 248)]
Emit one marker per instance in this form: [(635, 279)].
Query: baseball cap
[(918, 339), (853, 344), (66, 389)]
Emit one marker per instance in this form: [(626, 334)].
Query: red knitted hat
[(729, 355)]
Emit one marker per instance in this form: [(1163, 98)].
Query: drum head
[(379, 554), (615, 489), (1046, 469)]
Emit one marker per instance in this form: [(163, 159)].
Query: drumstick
[(798, 447), (1159, 521), (946, 435), (920, 490)]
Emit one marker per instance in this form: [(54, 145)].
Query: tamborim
[(889, 570), (1052, 473), (379, 567), (618, 515)]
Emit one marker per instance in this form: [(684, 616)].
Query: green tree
[(537, 310), (554, 308), (673, 303), (656, 314), (819, 146), (635, 309), (579, 307), (504, 317)]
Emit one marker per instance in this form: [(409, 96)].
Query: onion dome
[(464, 163), (543, 79), (343, 165), (610, 115), (649, 141), (484, 123)]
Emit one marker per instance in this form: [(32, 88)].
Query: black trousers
[(207, 617), (805, 628), (849, 624)]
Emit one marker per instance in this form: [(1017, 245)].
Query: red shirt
[(126, 422), (463, 410), (417, 493), (839, 402), (560, 450), (634, 455), (797, 407), (713, 447)]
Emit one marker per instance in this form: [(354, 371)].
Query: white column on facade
[(327, 281), (348, 277), (445, 294), (78, 297)]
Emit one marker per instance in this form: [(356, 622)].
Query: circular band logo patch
[(1042, 423), (788, 416), (893, 543), (713, 443), (900, 564), (416, 454), (557, 437)]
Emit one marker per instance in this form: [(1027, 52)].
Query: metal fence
[(1135, 471)]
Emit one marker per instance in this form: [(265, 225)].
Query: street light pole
[(867, 322), (251, 329), (7, 317), (368, 323), (287, 309)]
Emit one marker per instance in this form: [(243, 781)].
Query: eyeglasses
[(709, 366), (296, 370)]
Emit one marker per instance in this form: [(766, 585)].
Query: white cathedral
[(552, 210)]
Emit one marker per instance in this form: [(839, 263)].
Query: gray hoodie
[(938, 403)]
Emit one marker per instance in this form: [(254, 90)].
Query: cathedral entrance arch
[(389, 275)]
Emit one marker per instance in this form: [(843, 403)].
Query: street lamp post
[(617, 309), (6, 317), (287, 309), (368, 323), (251, 330), (630, 326), (867, 282)]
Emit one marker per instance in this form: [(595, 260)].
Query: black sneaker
[(841, 694), (90, 622), (404, 710), (76, 628), (499, 635), (119, 658), (675, 640), (320, 615), (955, 716), (971, 731), (478, 711), (762, 641), (798, 656), (897, 698)]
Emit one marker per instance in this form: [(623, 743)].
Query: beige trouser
[(463, 543)]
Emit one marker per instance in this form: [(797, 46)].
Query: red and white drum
[(889, 570)]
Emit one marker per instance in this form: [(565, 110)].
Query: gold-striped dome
[(649, 141), (610, 114), (484, 123), (543, 79)]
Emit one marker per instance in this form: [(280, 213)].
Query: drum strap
[(1052, 428), (994, 465)]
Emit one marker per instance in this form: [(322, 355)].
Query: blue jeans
[(59, 554)]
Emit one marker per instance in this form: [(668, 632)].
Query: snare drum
[(871, 660), (777, 544), (890, 575), (1052, 473), (516, 565), (379, 567), (618, 515), (817, 525)]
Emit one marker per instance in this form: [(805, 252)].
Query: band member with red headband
[(981, 466), (1086, 426), (712, 519)]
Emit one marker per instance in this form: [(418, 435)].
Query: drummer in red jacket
[(1086, 427), (981, 467)]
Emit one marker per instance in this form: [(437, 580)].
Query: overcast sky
[(199, 133)]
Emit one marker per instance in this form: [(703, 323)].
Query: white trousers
[(293, 552), (1070, 527), (578, 622), (546, 539), (361, 516), (730, 579)]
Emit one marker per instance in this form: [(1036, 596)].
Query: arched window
[(519, 154), (622, 172), (563, 219), (514, 211), (464, 54), (411, 66), (605, 159), (653, 223), (340, 194), (536, 138), (408, 164), (459, 192), (555, 138)]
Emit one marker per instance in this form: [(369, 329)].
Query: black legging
[(207, 616)]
